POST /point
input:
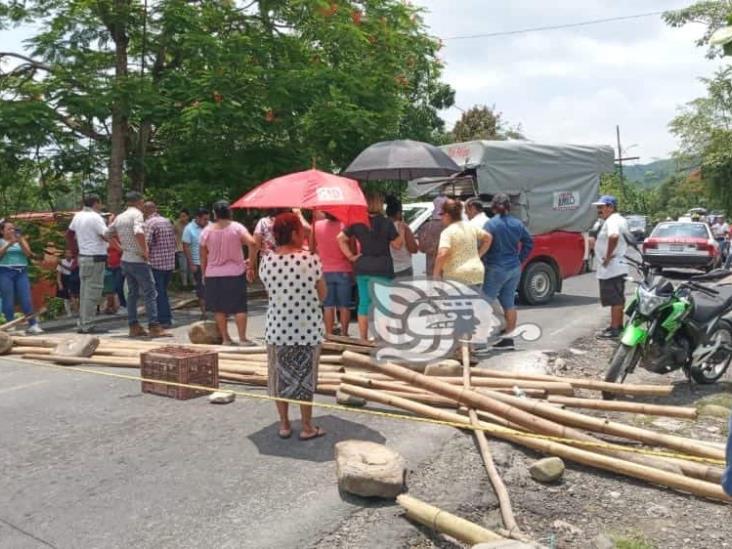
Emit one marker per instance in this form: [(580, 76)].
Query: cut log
[(584, 457), (623, 406), (573, 419), (529, 421), (551, 387), (579, 383), (444, 522), (504, 501)]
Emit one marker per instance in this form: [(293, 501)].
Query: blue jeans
[(727, 476), (340, 290), (140, 278), (162, 279), (14, 284), (501, 283), (119, 285)]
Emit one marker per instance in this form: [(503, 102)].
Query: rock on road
[(88, 461)]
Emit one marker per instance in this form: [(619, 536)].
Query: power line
[(556, 27)]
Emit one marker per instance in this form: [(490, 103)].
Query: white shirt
[(615, 225), (720, 230), (89, 227), (479, 220)]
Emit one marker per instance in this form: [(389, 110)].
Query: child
[(67, 280)]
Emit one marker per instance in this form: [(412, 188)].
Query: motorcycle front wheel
[(621, 363), (714, 368)]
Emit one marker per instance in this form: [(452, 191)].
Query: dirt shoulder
[(587, 508)]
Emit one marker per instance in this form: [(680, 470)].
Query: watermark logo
[(424, 320)]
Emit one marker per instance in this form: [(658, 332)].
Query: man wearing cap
[(511, 245), (475, 212), (89, 230), (610, 248)]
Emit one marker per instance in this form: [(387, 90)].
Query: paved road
[(88, 461)]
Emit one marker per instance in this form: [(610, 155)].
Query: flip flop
[(318, 433), (247, 343), (284, 433)]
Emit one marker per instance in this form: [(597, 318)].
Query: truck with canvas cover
[(552, 188)]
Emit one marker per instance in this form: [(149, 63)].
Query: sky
[(570, 85), (573, 85)]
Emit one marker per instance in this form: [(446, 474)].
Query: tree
[(704, 129), (193, 100), (482, 122), (714, 14)]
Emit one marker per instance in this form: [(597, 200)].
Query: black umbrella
[(401, 160)]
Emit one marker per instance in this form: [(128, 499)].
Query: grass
[(717, 405), (635, 541)]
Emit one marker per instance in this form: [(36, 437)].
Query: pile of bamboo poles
[(541, 408)]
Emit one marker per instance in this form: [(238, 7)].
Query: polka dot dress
[(294, 316)]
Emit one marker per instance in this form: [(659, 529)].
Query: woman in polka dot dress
[(295, 286)]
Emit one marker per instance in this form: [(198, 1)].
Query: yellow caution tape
[(391, 415)]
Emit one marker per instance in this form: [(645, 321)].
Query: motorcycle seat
[(706, 307)]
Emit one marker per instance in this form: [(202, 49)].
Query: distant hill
[(650, 175)]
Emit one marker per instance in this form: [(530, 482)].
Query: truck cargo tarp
[(552, 186)]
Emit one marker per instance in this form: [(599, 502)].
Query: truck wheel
[(538, 283)]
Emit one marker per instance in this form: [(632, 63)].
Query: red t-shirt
[(330, 253), (114, 257)]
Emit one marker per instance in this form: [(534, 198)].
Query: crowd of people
[(309, 269)]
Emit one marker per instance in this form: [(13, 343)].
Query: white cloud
[(573, 84)]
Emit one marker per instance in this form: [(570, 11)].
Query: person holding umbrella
[(293, 278), (373, 263)]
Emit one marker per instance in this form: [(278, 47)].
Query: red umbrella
[(312, 190)]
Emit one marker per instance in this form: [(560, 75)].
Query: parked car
[(682, 244), (556, 255)]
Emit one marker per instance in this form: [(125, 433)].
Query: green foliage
[(482, 122), (704, 129), (712, 13), (231, 94)]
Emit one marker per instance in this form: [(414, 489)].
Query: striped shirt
[(161, 242)]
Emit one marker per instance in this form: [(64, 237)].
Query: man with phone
[(89, 229)]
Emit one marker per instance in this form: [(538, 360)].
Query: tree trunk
[(119, 109)]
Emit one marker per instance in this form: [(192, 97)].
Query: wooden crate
[(180, 365)]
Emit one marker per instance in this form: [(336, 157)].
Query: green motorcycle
[(669, 327)]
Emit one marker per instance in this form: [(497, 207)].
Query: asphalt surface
[(89, 461)]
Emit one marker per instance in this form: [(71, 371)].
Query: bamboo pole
[(527, 420), (551, 387), (579, 383), (504, 500), (21, 319), (445, 523), (624, 406), (351, 341), (584, 457), (573, 419)]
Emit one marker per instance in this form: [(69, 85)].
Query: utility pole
[(619, 160)]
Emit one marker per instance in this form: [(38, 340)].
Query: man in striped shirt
[(161, 243)]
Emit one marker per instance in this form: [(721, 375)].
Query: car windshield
[(410, 214), (680, 230)]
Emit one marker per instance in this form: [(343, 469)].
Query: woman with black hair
[(223, 267), (293, 278), (373, 263), (14, 281), (402, 255)]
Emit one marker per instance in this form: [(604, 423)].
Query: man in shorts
[(612, 268)]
